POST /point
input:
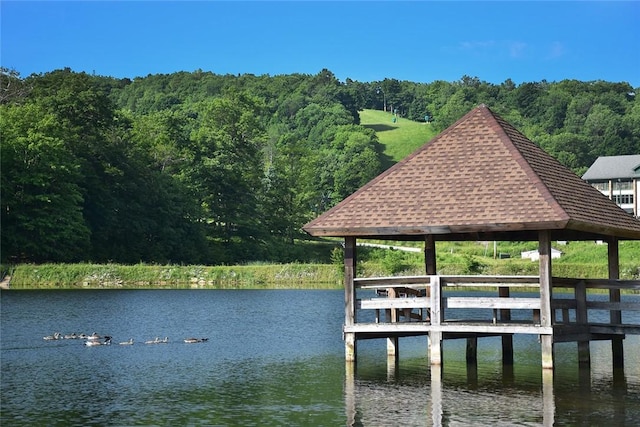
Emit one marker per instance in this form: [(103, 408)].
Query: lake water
[(276, 358)]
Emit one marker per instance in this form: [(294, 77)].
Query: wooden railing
[(424, 299), (574, 311), (420, 298)]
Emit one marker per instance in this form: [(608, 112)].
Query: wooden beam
[(349, 296), (393, 303), (493, 302), (419, 328), (617, 347), (437, 315), (582, 318), (430, 254), (472, 350), (507, 339), (546, 341)]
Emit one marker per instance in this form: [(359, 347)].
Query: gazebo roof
[(480, 179)]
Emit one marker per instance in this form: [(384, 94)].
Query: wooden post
[(546, 341), (436, 395), (392, 347), (430, 269), (435, 337), (430, 254), (472, 350), (548, 399), (582, 319), (349, 297), (350, 394), (507, 340), (617, 349)]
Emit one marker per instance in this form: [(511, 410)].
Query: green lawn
[(400, 138)]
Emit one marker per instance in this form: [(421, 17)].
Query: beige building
[(618, 178)]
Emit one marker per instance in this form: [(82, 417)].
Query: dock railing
[(592, 312), (425, 298), (430, 301)]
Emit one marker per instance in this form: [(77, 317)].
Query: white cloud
[(556, 50), (477, 45), (516, 49)]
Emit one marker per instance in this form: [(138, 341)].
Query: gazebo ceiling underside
[(480, 179)]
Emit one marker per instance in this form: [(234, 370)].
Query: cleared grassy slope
[(400, 138)]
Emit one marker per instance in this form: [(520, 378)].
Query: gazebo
[(480, 180)]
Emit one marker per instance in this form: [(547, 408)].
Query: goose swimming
[(94, 336), (195, 340), (55, 336), (130, 342), (95, 342)]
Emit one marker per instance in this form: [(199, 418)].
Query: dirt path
[(6, 280)]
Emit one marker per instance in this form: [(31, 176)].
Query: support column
[(435, 336), (430, 269), (472, 351), (507, 340), (349, 297), (350, 394), (582, 319), (392, 358), (430, 254), (617, 348), (436, 395), (548, 398), (392, 347), (546, 341)]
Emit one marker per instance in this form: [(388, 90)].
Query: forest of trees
[(195, 167)]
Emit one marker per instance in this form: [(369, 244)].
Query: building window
[(622, 185), (623, 199), (601, 186)]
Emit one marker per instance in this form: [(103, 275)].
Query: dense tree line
[(205, 168)]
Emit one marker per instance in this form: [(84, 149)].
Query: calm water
[(275, 358)]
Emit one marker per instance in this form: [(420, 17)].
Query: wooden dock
[(395, 307)]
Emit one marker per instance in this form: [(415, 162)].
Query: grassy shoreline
[(148, 276), (257, 276)]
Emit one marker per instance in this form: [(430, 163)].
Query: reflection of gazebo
[(480, 180)]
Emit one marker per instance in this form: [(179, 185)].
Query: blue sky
[(419, 41)]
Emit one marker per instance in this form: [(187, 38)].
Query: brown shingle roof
[(479, 177)]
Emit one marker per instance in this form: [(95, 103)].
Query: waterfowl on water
[(72, 336), (94, 336), (158, 341), (95, 342), (130, 342), (195, 340), (55, 336)]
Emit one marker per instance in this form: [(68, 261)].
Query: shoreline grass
[(148, 276)]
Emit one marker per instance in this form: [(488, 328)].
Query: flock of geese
[(95, 340)]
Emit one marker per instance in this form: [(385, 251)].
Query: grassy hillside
[(400, 138)]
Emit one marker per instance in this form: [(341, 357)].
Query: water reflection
[(432, 400), (412, 392)]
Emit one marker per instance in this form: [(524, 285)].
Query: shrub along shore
[(267, 276), (147, 276), (579, 259)]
